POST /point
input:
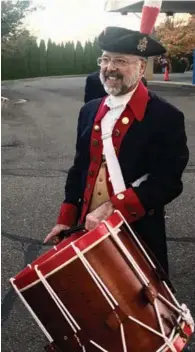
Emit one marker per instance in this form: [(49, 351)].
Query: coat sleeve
[(167, 164), (69, 208)]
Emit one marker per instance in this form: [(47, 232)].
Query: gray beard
[(125, 86)]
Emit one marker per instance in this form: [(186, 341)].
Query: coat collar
[(137, 104), (139, 101), (120, 100)]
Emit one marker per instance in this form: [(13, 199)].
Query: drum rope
[(187, 317), (123, 337), (136, 239), (159, 317), (28, 307), (65, 312), (96, 278), (167, 342), (133, 263), (172, 296), (182, 309), (98, 346), (162, 298), (101, 287), (114, 233), (67, 315)]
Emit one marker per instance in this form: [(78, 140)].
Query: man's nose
[(111, 66)]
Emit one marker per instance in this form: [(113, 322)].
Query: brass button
[(84, 201), (120, 196), (91, 173), (125, 120), (95, 142), (88, 185), (96, 128), (117, 133)]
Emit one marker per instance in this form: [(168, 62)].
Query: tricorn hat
[(140, 43)]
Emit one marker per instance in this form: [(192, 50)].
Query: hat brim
[(131, 42)]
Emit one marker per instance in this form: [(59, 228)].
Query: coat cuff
[(129, 205), (68, 214)]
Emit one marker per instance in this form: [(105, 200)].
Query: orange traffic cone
[(166, 74)]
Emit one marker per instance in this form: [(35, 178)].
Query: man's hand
[(96, 216), (53, 235)]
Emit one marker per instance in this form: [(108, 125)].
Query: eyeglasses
[(116, 62)]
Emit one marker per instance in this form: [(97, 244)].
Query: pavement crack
[(190, 169), (21, 239), (181, 239)]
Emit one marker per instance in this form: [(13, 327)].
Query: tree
[(79, 58), (33, 58), (177, 36), (95, 54), (16, 56), (50, 61), (42, 58), (88, 57), (69, 58), (24, 58), (14, 38), (12, 14)]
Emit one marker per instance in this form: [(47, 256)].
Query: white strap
[(114, 169), (107, 125), (140, 180)]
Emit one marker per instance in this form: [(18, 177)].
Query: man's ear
[(143, 66)]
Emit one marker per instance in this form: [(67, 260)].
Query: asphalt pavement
[(180, 78), (38, 140)]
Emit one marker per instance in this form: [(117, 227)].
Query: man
[(131, 147), (94, 88)]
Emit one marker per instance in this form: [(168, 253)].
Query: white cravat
[(117, 105)]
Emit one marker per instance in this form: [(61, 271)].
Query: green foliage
[(42, 58), (22, 57), (12, 14), (79, 58)]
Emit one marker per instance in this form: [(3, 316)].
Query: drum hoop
[(55, 254), (62, 265)]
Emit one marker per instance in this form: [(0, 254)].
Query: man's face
[(120, 73)]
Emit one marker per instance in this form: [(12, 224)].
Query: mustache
[(113, 74)]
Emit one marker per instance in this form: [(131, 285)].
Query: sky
[(63, 20)]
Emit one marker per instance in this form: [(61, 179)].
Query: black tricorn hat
[(127, 41)]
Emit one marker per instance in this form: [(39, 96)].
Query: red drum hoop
[(101, 291)]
